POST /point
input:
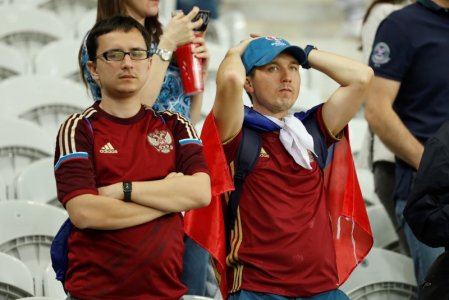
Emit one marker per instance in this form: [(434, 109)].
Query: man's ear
[(248, 85), (92, 66)]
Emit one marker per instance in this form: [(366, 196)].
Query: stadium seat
[(15, 278), (36, 182), (2, 189), (383, 275), (218, 33), (25, 3), (85, 23), (21, 142), (27, 29), (11, 63), (69, 10), (217, 52), (59, 59), (44, 100), (384, 233), (366, 181), (235, 23), (358, 127), (26, 231), (52, 287)]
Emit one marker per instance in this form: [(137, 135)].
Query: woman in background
[(164, 90)]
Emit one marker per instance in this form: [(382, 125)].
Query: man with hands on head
[(125, 173), (281, 244)]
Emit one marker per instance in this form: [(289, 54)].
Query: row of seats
[(58, 59), (26, 231), (27, 29)]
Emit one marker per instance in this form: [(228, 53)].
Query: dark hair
[(117, 23), (110, 8)]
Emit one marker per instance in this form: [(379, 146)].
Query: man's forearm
[(105, 213), (174, 194), (393, 133)]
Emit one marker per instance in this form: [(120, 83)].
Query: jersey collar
[(434, 7)]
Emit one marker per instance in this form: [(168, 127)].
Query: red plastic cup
[(191, 67)]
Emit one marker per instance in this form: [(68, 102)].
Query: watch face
[(164, 54)]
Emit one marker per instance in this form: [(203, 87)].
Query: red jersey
[(96, 149), (282, 243)]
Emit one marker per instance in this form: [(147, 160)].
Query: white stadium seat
[(71, 11), (59, 59), (384, 233), (15, 278), (26, 231), (85, 23), (52, 287), (44, 100), (21, 142), (37, 182), (383, 275), (27, 29), (11, 62)]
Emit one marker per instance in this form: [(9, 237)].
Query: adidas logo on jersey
[(108, 148)]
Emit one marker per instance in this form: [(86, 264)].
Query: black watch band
[(307, 50), (127, 189)]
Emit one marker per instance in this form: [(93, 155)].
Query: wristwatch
[(127, 189), (164, 54), (307, 50)]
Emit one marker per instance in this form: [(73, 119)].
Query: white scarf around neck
[(295, 139)]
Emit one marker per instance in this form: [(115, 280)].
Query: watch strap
[(127, 189), (307, 50)]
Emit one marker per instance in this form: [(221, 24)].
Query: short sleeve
[(74, 171), (392, 51)]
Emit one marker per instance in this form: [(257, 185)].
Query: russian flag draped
[(351, 230), (206, 226)]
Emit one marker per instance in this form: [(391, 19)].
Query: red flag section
[(351, 230), (206, 226), (350, 225)]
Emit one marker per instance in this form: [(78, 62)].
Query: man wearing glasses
[(125, 173)]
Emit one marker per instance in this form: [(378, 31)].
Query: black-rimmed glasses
[(119, 55)]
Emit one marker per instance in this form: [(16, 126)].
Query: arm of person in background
[(197, 100), (178, 32), (228, 106), (354, 79), (387, 125)]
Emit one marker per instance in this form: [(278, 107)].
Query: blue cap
[(262, 51)]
